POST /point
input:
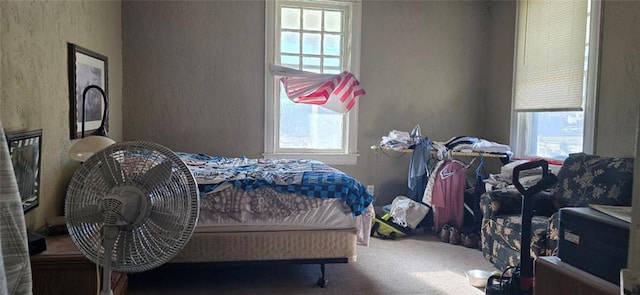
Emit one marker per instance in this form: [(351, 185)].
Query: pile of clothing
[(473, 144), (400, 140), (528, 178)]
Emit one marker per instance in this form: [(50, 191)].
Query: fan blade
[(86, 214), (165, 220), (113, 174), (157, 175)]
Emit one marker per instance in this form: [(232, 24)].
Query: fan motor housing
[(128, 204)]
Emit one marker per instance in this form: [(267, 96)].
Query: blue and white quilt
[(305, 177)]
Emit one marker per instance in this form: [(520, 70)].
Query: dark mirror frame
[(25, 149)]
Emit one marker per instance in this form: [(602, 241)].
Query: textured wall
[(631, 279), (194, 76), (497, 98), (619, 89), (35, 94), (423, 62)]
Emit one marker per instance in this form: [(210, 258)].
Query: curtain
[(15, 268), (335, 92)]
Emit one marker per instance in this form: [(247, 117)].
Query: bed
[(270, 211)]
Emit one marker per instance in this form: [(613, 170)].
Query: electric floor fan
[(131, 207)]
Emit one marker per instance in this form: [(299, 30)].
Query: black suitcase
[(594, 242)]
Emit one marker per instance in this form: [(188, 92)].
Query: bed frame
[(299, 246)]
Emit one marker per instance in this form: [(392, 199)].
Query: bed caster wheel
[(322, 282)]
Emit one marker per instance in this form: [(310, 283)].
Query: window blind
[(550, 55)]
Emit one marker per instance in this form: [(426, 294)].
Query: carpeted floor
[(419, 264)]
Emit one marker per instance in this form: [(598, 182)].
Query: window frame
[(520, 130), (350, 131)]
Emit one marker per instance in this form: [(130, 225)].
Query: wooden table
[(552, 277), (62, 269)]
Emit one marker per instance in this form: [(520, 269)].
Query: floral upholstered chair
[(583, 179)]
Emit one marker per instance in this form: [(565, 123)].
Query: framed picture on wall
[(87, 68), (25, 149)]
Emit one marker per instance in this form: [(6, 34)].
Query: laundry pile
[(474, 144), (528, 178), (401, 140)]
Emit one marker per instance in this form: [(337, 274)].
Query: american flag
[(335, 92)]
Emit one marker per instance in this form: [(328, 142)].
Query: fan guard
[(141, 195)]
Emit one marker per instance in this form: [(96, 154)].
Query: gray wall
[(619, 89), (33, 75), (194, 75), (194, 78), (499, 71), (423, 62)]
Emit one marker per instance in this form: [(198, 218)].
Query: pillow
[(589, 179)]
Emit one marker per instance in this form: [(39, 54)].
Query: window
[(555, 76), (315, 36)]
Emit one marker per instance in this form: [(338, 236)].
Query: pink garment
[(448, 195)]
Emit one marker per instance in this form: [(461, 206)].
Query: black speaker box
[(37, 243), (594, 242)]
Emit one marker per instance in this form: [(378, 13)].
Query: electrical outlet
[(371, 189)]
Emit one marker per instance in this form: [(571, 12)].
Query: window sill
[(330, 159)]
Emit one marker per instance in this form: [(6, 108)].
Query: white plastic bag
[(407, 212)]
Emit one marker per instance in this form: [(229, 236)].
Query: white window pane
[(332, 62), (312, 20), (332, 66), (290, 61), (333, 21), (304, 126), (555, 134), (310, 43), (290, 18), (332, 44), (290, 42), (293, 124), (329, 70), (327, 132), (311, 64)]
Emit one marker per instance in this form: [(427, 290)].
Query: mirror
[(25, 149)]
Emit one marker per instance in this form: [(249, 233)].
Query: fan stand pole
[(110, 235)]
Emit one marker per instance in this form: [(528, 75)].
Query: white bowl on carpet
[(478, 278)]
